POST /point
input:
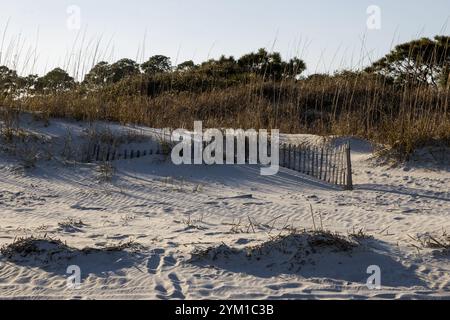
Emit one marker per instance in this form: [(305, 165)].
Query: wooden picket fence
[(328, 164), (332, 165), (102, 153)]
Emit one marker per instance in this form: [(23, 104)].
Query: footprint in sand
[(157, 265), (155, 260), (169, 262), (162, 290), (177, 293)]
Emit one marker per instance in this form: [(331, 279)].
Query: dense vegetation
[(401, 100)]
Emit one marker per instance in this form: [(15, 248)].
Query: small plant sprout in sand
[(194, 223), (359, 235), (126, 219), (71, 225), (435, 241), (105, 171), (250, 225)]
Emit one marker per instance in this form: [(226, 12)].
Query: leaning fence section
[(332, 165), (99, 152), (329, 164)]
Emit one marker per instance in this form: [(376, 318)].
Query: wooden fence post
[(295, 157), (333, 165), (316, 162), (307, 162), (342, 164), (349, 185), (339, 168), (304, 160), (257, 149), (97, 155), (247, 149), (321, 164), (290, 152)]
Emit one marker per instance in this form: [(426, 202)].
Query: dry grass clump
[(28, 147), (32, 246), (105, 172), (14, 136), (295, 246), (360, 235), (47, 249), (429, 241), (71, 225), (192, 223), (330, 240)]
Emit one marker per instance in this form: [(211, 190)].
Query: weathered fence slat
[(349, 185), (321, 164)]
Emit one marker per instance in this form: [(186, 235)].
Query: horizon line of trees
[(422, 61), (260, 63)]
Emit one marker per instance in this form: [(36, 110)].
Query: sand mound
[(47, 249), (291, 251)]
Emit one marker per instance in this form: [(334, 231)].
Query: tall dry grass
[(402, 116)]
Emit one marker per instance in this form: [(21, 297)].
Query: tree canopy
[(186, 66), (9, 81), (271, 65), (260, 63), (55, 80), (421, 61), (99, 75), (424, 60), (122, 69), (157, 64)]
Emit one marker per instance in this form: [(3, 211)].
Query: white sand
[(173, 210)]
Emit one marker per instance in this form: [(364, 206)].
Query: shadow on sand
[(404, 191), (54, 257), (349, 266)]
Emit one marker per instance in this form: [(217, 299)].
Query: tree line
[(260, 63), (422, 61)]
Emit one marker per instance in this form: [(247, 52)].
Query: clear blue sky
[(327, 34)]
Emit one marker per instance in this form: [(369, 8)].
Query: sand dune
[(170, 211)]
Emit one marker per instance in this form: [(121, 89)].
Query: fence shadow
[(399, 190), (230, 175)]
